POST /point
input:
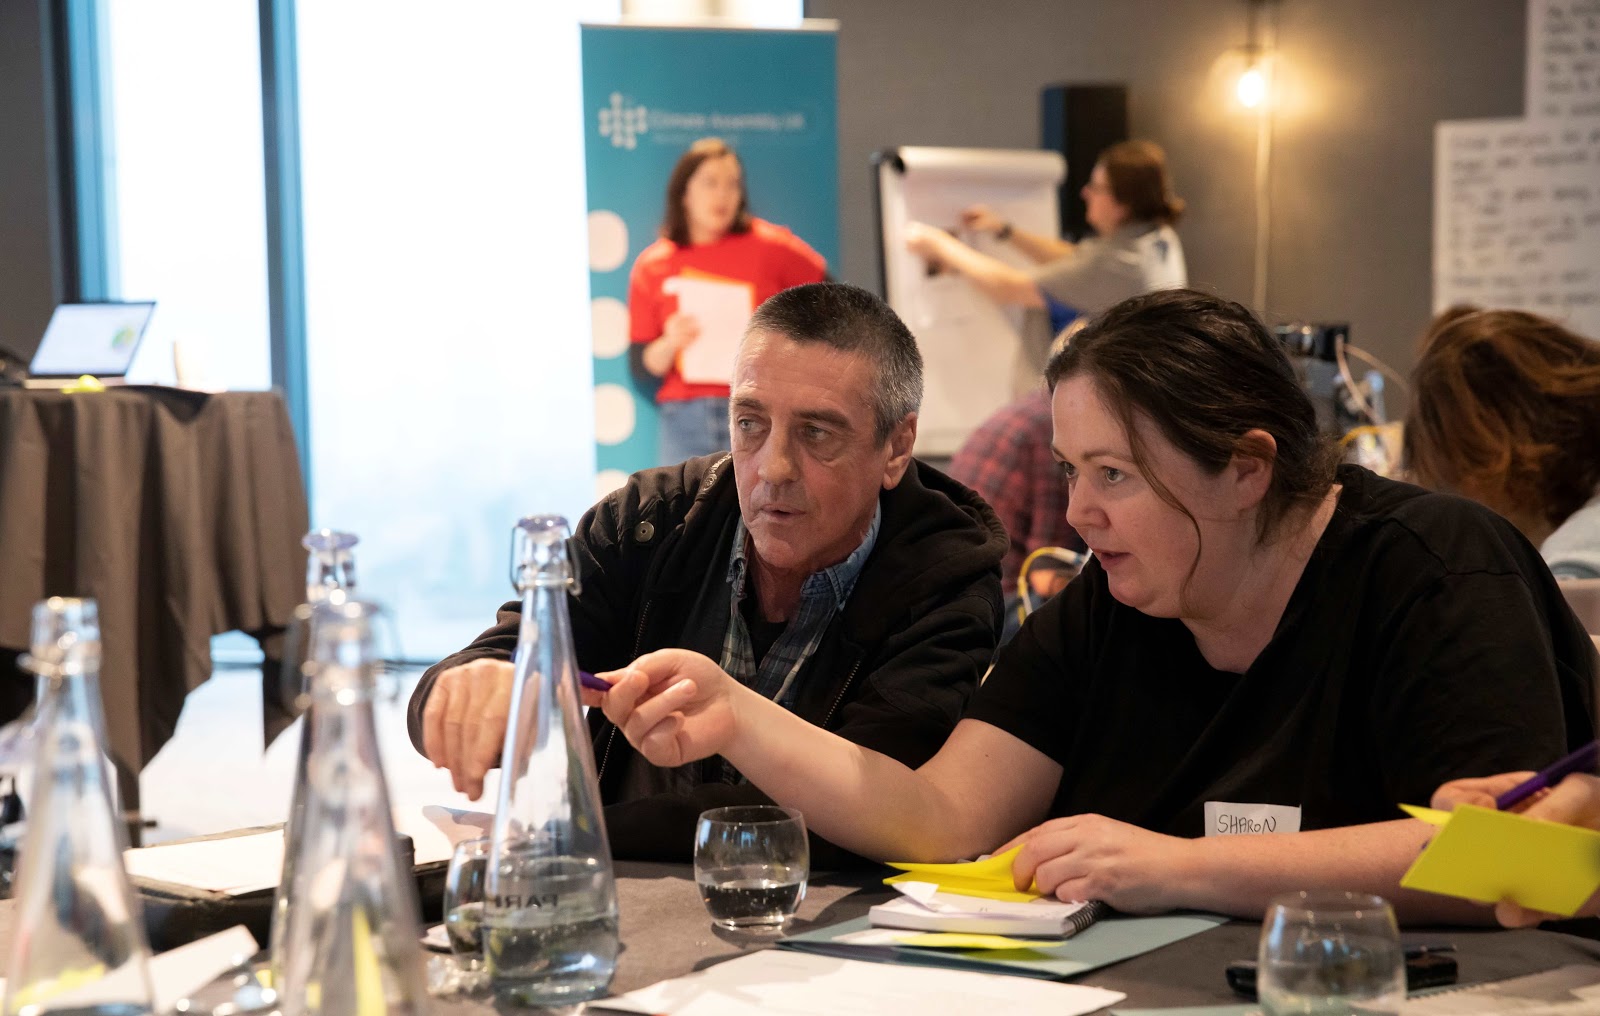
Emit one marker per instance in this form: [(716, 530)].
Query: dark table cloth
[(666, 933), (180, 512)]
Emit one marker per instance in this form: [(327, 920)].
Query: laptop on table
[(98, 339)]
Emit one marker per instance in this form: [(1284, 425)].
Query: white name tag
[(1224, 818)]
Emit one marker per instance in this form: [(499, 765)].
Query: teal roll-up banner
[(649, 92)]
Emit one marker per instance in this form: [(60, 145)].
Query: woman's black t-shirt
[(1425, 641)]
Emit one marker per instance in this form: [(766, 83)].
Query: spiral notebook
[(977, 898), (1565, 991), (1116, 938), (924, 907)]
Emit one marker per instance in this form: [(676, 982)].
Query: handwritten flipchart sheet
[(1517, 217), (1563, 58)]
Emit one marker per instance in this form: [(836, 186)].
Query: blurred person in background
[(706, 231), (1008, 460), (1132, 209), (1505, 409)]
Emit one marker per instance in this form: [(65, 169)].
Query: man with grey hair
[(819, 563)]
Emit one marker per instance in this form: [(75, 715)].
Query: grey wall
[(1352, 186), (28, 282), (1364, 82)]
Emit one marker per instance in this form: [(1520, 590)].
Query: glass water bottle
[(78, 944), (330, 576), (550, 911), (350, 942)]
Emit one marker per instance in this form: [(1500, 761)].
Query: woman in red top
[(707, 234)]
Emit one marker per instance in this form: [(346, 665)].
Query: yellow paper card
[(958, 940), (1432, 816), (997, 866), (989, 878), (1487, 855)]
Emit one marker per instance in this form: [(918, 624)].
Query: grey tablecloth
[(180, 512), (666, 933)]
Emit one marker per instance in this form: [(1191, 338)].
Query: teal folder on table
[(1107, 941)]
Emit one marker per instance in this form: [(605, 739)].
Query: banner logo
[(623, 123)]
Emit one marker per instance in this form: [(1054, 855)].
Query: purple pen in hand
[(1581, 761), (591, 682)]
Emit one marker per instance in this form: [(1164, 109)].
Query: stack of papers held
[(987, 877), (977, 898), (1487, 855)]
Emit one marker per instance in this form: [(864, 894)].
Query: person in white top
[(1131, 208), (1505, 409)]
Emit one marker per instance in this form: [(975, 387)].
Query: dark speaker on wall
[(1081, 121)]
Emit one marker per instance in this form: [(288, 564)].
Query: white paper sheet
[(777, 981), (1564, 991), (722, 310), (179, 973), (928, 895), (979, 354), (1563, 72), (436, 830), (1517, 217), (241, 864), (923, 907), (230, 864)]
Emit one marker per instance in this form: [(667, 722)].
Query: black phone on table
[(1423, 970)]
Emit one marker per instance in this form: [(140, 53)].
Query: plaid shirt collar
[(821, 596)]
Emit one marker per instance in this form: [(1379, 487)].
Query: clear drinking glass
[(1330, 954), (751, 863), (463, 901)]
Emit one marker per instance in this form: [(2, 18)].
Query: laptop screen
[(91, 338)]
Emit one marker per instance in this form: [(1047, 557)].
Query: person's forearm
[(999, 281), (859, 799), (659, 356), (1240, 875), (1040, 248)]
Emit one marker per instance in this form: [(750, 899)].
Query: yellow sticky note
[(995, 866), (1432, 816), (989, 878), (86, 383), (1487, 855), (958, 940)]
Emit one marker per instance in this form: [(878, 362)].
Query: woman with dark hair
[(1266, 655), (707, 232), (1505, 409), (1129, 204)]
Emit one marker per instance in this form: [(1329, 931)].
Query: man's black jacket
[(892, 673)]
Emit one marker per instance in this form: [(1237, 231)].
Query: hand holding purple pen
[(591, 682), (1581, 761)]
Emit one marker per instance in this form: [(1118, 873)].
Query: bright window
[(447, 292), (187, 227)]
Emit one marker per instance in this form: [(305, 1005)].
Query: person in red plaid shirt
[(1007, 460)]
